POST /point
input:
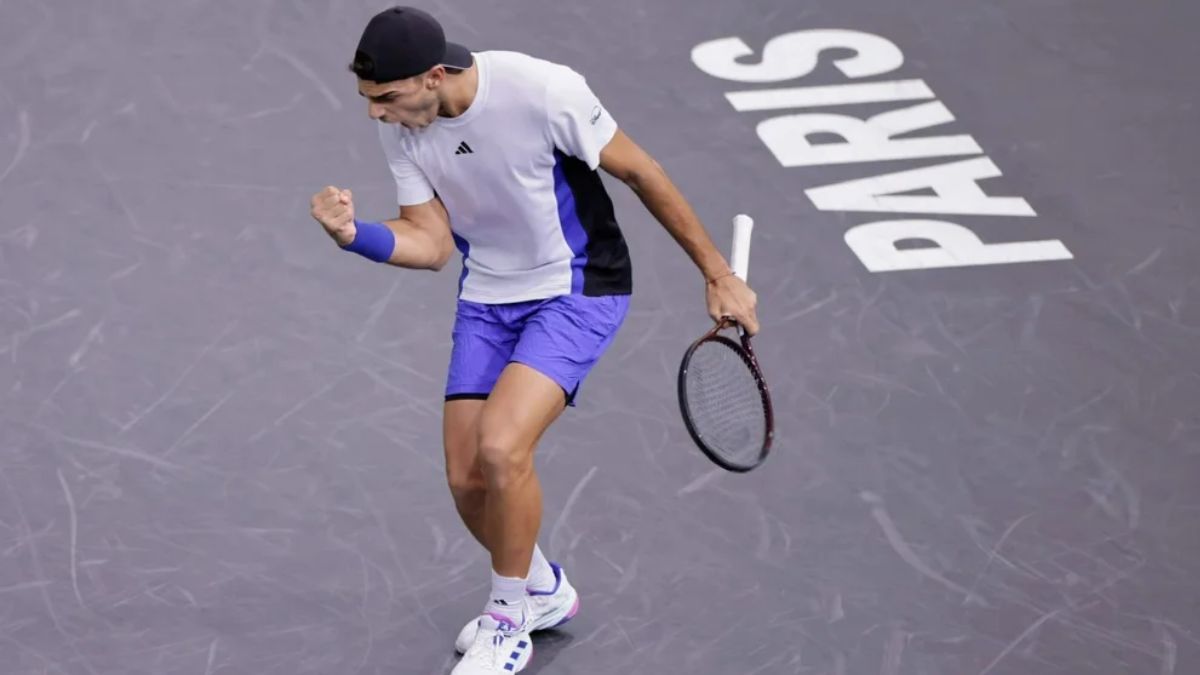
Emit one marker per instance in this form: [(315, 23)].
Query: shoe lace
[(488, 648)]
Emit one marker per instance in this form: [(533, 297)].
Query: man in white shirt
[(496, 154)]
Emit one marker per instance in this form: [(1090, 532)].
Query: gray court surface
[(220, 436)]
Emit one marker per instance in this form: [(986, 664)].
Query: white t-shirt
[(517, 173)]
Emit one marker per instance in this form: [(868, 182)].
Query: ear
[(435, 77)]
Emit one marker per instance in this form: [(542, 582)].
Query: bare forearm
[(417, 248), (668, 206), (727, 295)]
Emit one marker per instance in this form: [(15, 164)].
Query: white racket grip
[(740, 253)]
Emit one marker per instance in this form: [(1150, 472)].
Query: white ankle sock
[(508, 597), (541, 576)]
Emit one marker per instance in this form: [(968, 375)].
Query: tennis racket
[(722, 394)]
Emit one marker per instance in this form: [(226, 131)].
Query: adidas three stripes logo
[(463, 149)]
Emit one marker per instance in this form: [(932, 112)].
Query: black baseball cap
[(401, 42)]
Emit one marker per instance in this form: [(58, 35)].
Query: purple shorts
[(560, 337)]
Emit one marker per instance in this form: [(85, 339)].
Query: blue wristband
[(374, 241)]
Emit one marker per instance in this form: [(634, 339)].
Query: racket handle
[(740, 254)]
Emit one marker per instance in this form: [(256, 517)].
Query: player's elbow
[(644, 176), (445, 249)]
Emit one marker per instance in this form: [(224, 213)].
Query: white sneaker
[(499, 647), (547, 609)]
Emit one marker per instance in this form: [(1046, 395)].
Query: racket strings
[(726, 403)]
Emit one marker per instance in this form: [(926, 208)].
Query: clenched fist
[(333, 208)]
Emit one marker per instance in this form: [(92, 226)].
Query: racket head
[(724, 400)]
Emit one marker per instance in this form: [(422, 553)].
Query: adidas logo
[(463, 149)]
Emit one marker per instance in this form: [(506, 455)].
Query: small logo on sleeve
[(596, 113)]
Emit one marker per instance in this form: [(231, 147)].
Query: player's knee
[(503, 462), (465, 479), (465, 484)]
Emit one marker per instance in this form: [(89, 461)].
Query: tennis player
[(496, 154)]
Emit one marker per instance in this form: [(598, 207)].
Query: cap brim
[(457, 56)]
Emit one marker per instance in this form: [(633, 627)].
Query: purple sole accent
[(570, 615)]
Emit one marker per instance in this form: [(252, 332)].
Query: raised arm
[(418, 239)]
